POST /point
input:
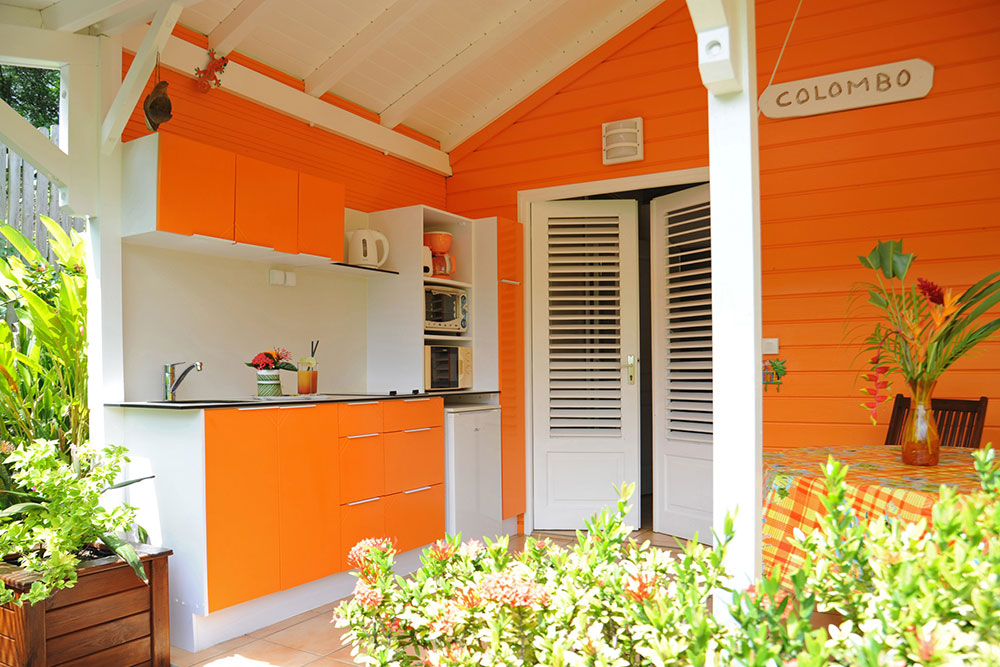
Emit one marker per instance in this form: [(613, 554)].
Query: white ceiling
[(445, 68)]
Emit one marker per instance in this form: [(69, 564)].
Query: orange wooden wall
[(925, 170), (373, 181)]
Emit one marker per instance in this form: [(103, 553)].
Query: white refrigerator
[(473, 502)]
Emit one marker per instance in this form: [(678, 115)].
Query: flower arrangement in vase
[(268, 364), (924, 331)]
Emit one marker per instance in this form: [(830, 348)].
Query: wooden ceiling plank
[(475, 54), (138, 75), (236, 26), (365, 42), (73, 15)]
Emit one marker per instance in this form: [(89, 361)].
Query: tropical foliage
[(908, 595), (32, 91)]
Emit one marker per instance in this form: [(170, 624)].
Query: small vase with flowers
[(268, 364)]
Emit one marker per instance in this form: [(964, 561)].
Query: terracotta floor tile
[(326, 662), (327, 608), (281, 625), (260, 653), (182, 658), (316, 635)]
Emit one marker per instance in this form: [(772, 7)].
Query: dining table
[(879, 485)]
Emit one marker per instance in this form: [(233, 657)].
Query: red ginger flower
[(933, 292)]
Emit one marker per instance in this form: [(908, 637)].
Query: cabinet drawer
[(360, 418), (362, 468), (415, 518), (413, 458), (405, 413), (358, 521)]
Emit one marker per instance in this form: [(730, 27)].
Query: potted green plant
[(105, 600), (925, 329)]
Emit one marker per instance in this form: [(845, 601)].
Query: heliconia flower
[(930, 290), (442, 550), (369, 596), (641, 586), (281, 354)]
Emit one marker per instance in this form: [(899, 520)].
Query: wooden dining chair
[(959, 422)]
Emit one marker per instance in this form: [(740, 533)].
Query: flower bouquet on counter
[(268, 363), (926, 328)]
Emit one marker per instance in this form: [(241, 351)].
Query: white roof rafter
[(73, 15), (139, 13), (475, 54), (368, 40), (228, 34)]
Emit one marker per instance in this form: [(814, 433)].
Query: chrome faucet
[(170, 384)]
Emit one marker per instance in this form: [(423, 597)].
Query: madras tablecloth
[(879, 485)]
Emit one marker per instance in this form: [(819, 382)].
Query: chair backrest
[(959, 422)]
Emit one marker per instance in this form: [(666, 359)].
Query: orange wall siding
[(925, 170), (373, 181)]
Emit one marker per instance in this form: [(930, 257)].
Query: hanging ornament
[(209, 76), (156, 106)]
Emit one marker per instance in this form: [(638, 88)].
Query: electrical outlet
[(769, 346)]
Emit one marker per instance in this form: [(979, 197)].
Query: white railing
[(26, 194)]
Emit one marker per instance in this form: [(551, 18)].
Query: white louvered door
[(681, 275), (585, 315)]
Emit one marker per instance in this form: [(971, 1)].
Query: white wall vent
[(622, 140)]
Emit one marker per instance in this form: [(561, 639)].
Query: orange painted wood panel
[(362, 468), (359, 521), (241, 452), (416, 518), (321, 217), (413, 459), (196, 188), (308, 493), (407, 413), (513, 481), (266, 205), (360, 418), (510, 250)]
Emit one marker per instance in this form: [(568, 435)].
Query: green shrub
[(909, 595)]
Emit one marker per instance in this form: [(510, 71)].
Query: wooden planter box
[(108, 619)]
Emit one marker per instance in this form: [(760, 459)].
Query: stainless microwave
[(446, 309), (447, 367)]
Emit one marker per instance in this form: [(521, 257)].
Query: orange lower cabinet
[(407, 413), (512, 451), (266, 205), (360, 418), (362, 467), (241, 506), (413, 458), (360, 520), (416, 517), (308, 493), (321, 217)]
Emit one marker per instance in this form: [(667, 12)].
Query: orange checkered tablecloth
[(879, 485)]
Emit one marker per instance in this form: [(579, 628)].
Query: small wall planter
[(109, 618)]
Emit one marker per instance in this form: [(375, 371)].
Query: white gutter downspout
[(727, 62)]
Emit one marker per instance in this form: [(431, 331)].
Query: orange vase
[(921, 443)]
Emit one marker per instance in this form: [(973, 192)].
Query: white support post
[(736, 290), (138, 74)]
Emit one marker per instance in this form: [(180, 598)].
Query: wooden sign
[(867, 87)]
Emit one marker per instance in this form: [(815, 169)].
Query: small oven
[(447, 367)]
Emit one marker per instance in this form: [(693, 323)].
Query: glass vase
[(920, 440), (268, 383)]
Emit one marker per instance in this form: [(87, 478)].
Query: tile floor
[(310, 638)]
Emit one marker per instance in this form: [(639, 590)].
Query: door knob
[(629, 365)]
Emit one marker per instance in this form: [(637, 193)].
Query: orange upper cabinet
[(266, 205), (195, 188), (321, 217), (510, 250)]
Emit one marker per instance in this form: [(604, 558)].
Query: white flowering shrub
[(908, 595)]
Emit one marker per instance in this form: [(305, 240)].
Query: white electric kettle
[(363, 248)]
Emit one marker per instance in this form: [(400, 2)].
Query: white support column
[(736, 291)]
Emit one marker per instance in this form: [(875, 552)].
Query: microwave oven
[(446, 309), (447, 367)]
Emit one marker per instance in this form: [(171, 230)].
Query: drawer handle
[(264, 407), (509, 282), (422, 488), (295, 407), (417, 430), (415, 400), (364, 403), (363, 435), (367, 500)]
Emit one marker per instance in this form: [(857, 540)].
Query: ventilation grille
[(584, 301), (689, 324)]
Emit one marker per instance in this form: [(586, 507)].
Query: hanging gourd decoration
[(209, 76), (156, 106)]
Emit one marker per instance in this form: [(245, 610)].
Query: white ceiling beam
[(366, 42), (717, 56), (21, 16), (227, 35), (261, 89), (616, 21), (34, 147), (138, 74), (139, 14), (34, 46), (476, 53), (73, 15)]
